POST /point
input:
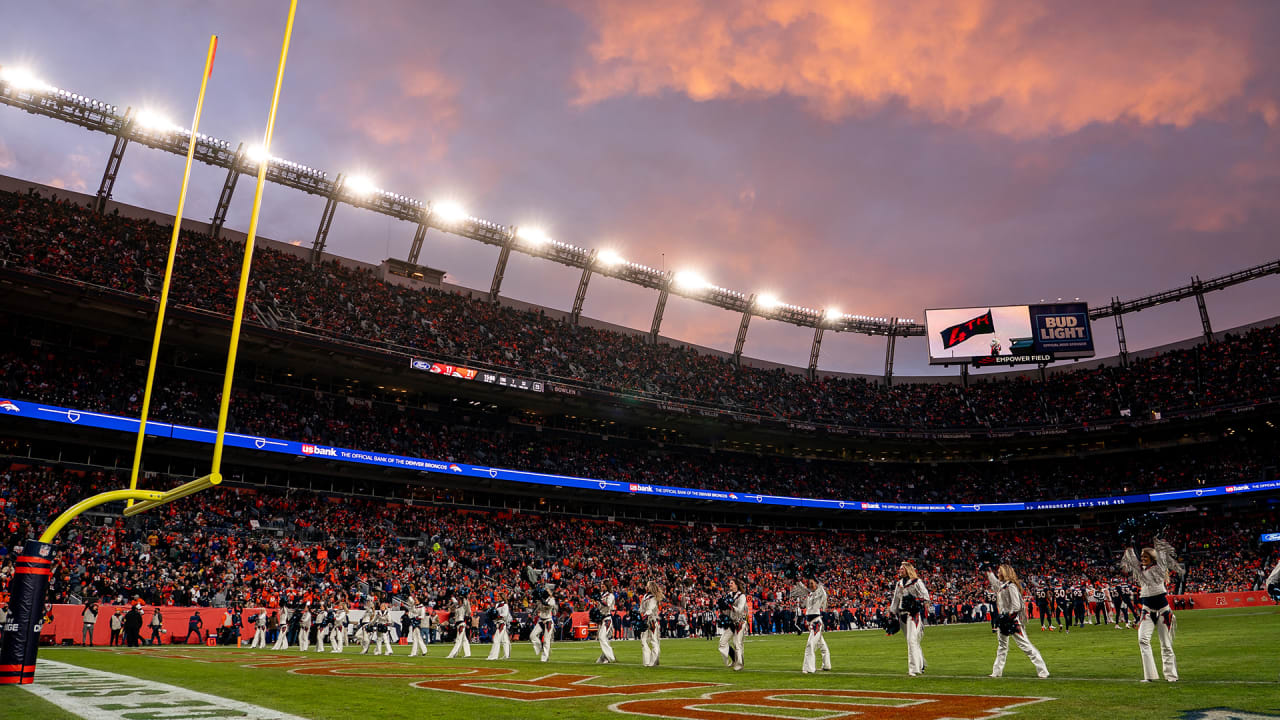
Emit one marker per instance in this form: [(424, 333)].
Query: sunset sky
[(877, 156)]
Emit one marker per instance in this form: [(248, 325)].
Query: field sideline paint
[(100, 695)]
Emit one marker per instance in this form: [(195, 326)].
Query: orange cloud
[(1018, 67), (423, 110)]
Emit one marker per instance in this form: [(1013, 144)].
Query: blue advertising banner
[(51, 413)]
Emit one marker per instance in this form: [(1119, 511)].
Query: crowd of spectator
[(127, 255), (251, 547), (103, 380)]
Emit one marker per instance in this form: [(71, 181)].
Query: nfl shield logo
[(44, 551)]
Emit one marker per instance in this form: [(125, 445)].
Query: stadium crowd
[(86, 379), (251, 547), (58, 238)]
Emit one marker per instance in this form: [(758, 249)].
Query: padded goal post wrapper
[(27, 590)]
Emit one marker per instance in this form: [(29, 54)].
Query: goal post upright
[(247, 262), (168, 268), (34, 566)]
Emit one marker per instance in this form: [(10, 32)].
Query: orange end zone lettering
[(844, 704), (549, 687)]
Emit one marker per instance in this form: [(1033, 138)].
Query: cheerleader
[(304, 629), (417, 613), (1151, 573), (544, 627), (910, 599), (736, 627), (282, 636), (459, 615), (650, 612), (259, 621), (501, 632), (815, 601), (1011, 621), (324, 621), (338, 635), (604, 630), (382, 630)]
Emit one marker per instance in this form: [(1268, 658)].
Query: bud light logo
[(317, 450)]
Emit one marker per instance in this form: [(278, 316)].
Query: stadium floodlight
[(21, 78), (832, 314), (360, 185), (449, 212), (153, 120), (609, 258), (257, 153), (690, 280), (533, 235), (767, 301)]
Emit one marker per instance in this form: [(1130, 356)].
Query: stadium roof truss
[(42, 99)]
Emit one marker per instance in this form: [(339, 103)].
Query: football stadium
[(355, 463)]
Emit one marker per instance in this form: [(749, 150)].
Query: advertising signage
[(1009, 334)]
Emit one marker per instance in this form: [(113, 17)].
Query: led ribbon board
[(51, 413)]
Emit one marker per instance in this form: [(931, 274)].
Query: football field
[(1229, 662)]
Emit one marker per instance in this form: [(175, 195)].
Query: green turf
[(14, 703), (1226, 658)]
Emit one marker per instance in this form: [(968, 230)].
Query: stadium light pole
[(419, 235), (224, 198), (1198, 288), (326, 218), (1118, 313), (742, 330), (113, 163), (580, 296), (660, 307), (500, 268), (815, 350), (890, 341)]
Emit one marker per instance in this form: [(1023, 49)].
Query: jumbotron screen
[(1008, 334)]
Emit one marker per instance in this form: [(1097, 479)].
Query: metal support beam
[(1205, 325), (418, 236), (326, 219), (1124, 344), (500, 269), (964, 375), (890, 342), (113, 164), (224, 199), (581, 296), (660, 308), (814, 351), (742, 331)]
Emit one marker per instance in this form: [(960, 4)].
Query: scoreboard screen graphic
[(1009, 334)]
